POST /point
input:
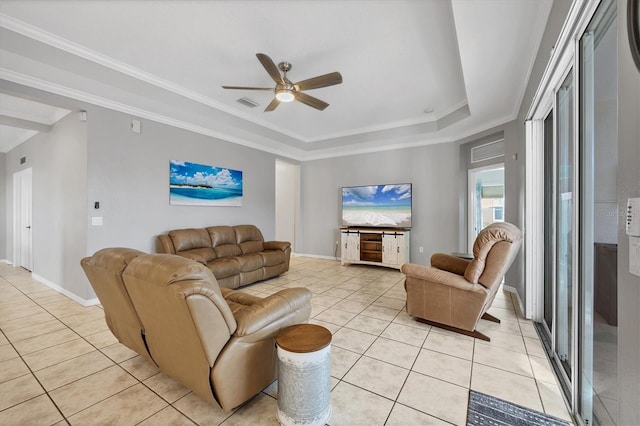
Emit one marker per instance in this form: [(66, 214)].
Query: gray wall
[(59, 192), (431, 169), (129, 176), (77, 164), (628, 186), (513, 188), (514, 173), (4, 206)]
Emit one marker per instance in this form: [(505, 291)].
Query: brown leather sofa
[(455, 293), (237, 255), (220, 343)]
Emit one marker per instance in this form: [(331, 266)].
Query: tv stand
[(381, 247)]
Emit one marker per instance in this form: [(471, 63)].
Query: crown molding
[(76, 49), (57, 89)]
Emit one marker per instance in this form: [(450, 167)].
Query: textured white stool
[(304, 375)]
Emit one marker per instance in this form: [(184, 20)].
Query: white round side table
[(304, 375)]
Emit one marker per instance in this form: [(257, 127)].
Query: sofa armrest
[(270, 309), (276, 245), (450, 263), (164, 244), (239, 297), (434, 275)]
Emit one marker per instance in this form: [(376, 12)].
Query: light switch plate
[(96, 221)]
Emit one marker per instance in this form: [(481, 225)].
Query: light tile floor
[(59, 363)]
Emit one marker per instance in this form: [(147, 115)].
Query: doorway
[(22, 215), (287, 202), (486, 199)]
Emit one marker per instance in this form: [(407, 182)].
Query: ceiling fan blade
[(247, 88), (271, 68), (273, 105), (311, 101), (320, 81)]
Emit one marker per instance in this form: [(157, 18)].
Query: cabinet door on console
[(350, 247), (392, 252)]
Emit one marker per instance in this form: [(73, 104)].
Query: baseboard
[(64, 291), (514, 291), (8, 262), (315, 256)]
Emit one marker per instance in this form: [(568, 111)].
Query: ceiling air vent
[(487, 151), (247, 102)]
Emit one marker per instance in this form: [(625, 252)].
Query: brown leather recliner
[(455, 293), (220, 343), (104, 270)]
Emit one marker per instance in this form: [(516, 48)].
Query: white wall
[(433, 171), (59, 193)]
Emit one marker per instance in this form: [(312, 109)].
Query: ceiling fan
[(286, 91)]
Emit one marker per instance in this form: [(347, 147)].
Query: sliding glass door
[(579, 167), (564, 224), (598, 219)]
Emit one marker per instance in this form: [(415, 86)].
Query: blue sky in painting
[(380, 195), (183, 172)]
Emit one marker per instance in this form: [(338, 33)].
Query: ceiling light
[(285, 95)]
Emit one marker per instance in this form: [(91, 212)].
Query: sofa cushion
[(223, 240), (273, 257), (224, 267), (228, 250), (249, 238), (250, 262), (202, 255), (187, 239), (221, 235)]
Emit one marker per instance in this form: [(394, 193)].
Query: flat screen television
[(381, 206)]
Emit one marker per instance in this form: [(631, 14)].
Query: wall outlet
[(421, 249)]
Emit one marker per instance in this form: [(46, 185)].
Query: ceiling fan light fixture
[(285, 95)]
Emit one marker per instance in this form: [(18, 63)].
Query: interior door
[(23, 250)]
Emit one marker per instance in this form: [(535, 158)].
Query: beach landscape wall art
[(192, 184)]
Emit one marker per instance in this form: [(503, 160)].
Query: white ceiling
[(414, 72)]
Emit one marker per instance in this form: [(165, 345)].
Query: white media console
[(382, 247)]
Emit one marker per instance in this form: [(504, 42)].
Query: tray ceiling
[(414, 72)]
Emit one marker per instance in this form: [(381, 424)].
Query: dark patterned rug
[(488, 410)]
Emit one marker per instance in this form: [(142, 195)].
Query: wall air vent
[(247, 102), (487, 151)]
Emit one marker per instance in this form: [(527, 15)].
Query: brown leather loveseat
[(220, 343), (237, 255)]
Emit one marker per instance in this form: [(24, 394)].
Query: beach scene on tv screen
[(377, 205)]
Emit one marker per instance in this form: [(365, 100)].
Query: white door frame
[(17, 218)]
